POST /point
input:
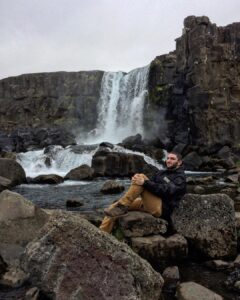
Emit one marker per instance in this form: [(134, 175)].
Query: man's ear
[(180, 163)]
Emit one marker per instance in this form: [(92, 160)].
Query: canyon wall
[(197, 87)]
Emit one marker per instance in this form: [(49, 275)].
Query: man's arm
[(168, 188)]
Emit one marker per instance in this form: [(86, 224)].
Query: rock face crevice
[(197, 87)]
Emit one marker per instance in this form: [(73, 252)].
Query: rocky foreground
[(61, 255)]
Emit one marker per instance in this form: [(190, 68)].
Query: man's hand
[(138, 179)]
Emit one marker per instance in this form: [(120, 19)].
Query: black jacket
[(169, 185)]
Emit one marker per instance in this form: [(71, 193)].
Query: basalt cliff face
[(50, 105), (194, 95), (197, 87)]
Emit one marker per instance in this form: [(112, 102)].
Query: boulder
[(12, 170), (112, 187), (159, 250), (120, 164), (132, 140), (192, 161), (106, 144), (47, 179), (74, 203), (138, 224), (32, 294), (219, 264), (208, 223), (84, 172), (4, 183), (3, 266), (14, 278), (72, 259), (171, 278), (194, 291), (20, 220)]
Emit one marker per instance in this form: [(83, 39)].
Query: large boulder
[(20, 220), (208, 223), (112, 187), (137, 223), (194, 291), (47, 179), (120, 164), (12, 170), (159, 250), (72, 259), (4, 183), (84, 172)]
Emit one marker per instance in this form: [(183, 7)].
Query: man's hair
[(179, 156)]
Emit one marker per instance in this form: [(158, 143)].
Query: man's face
[(172, 161)]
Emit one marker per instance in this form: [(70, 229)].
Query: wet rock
[(32, 294), (199, 190), (208, 223), (74, 203), (69, 246), (14, 278), (84, 172), (171, 278), (114, 164), (138, 224), (106, 144), (236, 262), (195, 291), (112, 187), (233, 178), (47, 179), (192, 161), (228, 191), (159, 250), (3, 266), (6, 142), (237, 285), (224, 152), (20, 221), (4, 183), (219, 264), (12, 170), (232, 278), (132, 140)]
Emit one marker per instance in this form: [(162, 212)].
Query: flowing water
[(121, 106)]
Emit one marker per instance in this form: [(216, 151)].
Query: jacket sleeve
[(165, 188)]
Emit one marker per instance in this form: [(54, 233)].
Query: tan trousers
[(136, 198)]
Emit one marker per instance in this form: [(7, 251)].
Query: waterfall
[(58, 160), (121, 105), (120, 114)]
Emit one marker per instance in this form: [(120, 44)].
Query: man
[(158, 196)]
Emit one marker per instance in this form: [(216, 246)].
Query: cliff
[(197, 87), (63, 101)]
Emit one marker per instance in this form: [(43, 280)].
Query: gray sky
[(110, 35)]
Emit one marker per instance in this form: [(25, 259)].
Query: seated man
[(157, 196)]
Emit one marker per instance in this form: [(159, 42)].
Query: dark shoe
[(116, 211)]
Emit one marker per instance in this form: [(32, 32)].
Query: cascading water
[(120, 114), (57, 161), (121, 106)]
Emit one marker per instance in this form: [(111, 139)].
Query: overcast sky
[(110, 35)]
